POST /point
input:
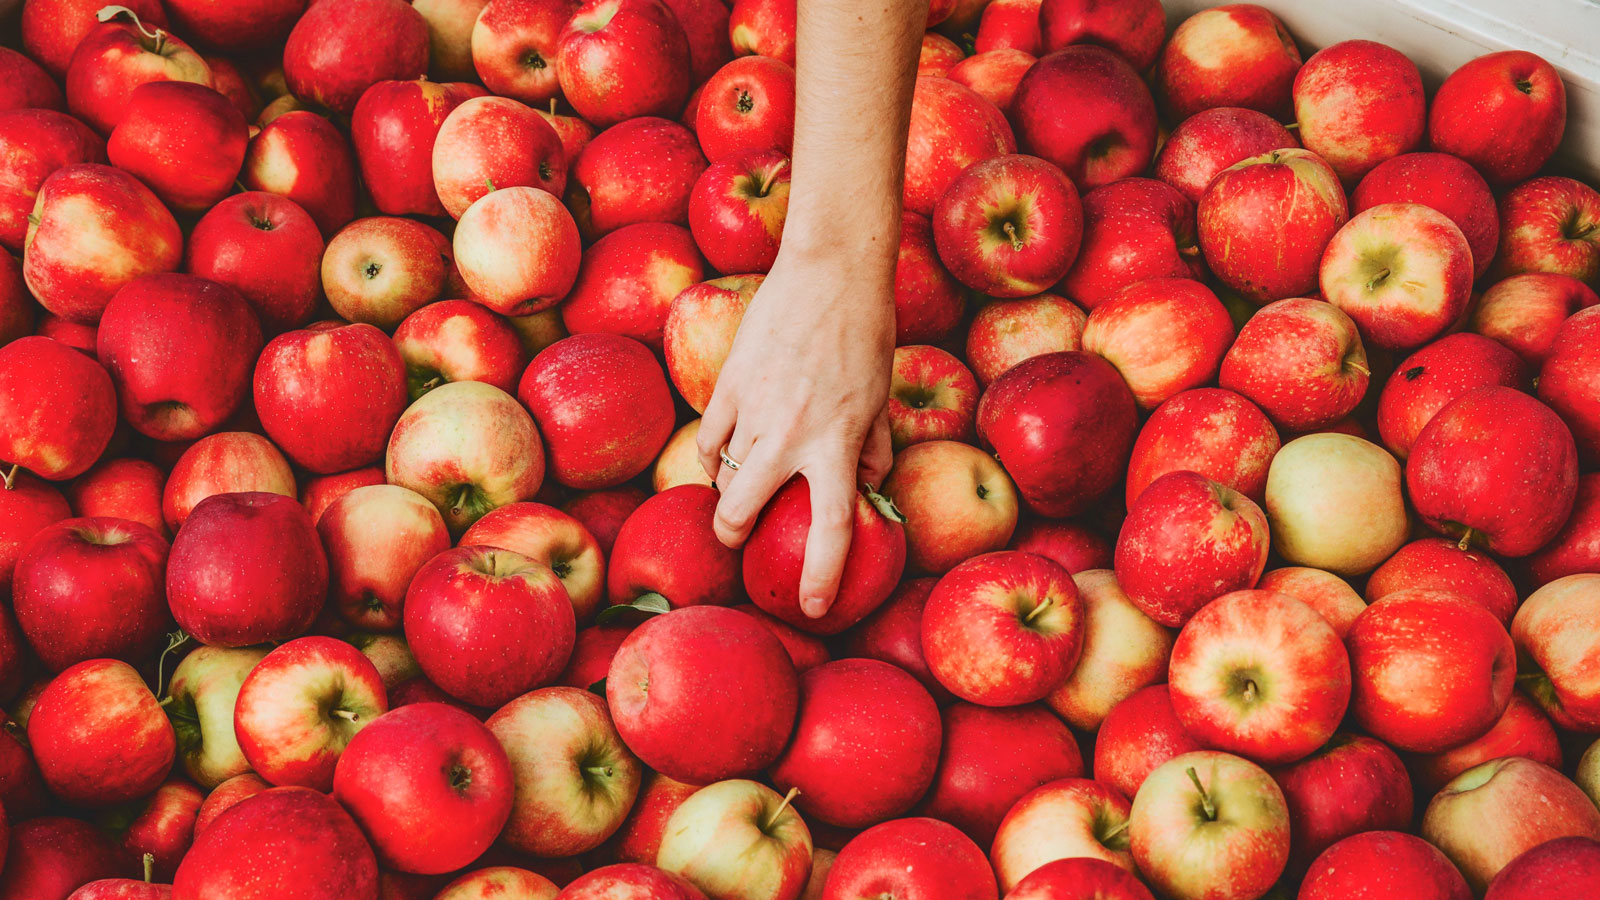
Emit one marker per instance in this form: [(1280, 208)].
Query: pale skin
[(804, 389)]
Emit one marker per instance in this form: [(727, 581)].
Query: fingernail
[(813, 607)]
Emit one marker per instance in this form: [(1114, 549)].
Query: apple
[(1265, 221), (667, 548), (1123, 652), (737, 209), (575, 780), (228, 462), (94, 229), (602, 513), (393, 128), (1553, 651), (1006, 332), (522, 624), (99, 736), (1334, 502), (620, 59), (1384, 865), (699, 331), (377, 537), (639, 837), (184, 140), (705, 24), (500, 881), (994, 74), (1331, 596), (265, 247), (122, 488), (200, 701), (1439, 565), (932, 397), (550, 537), (52, 29), (1062, 424), (774, 556), (1454, 454), (641, 170), (865, 746), (1525, 312), (1550, 224), (1355, 129), (517, 249), (763, 27), (1065, 876), (514, 44), (1428, 696), (1008, 226), (738, 840), (490, 143), (1488, 816), (1402, 271), (58, 426), (951, 128), (338, 50), (179, 350), (1132, 28), (162, 827), (679, 461), (91, 588), (1430, 378), (469, 448), (320, 854), (1522, 731), (630, 881), (1134, 229), (1567, 380), (893, 634), (703, 693), (806, 651), (119, 55), (458, 340), (37, 142), (928, 301), (1576, 548), (235, 28), (911, 859), (1353, 784), (1210, 141), (1114, 134), (928, 482), (381, 269), (747, 105), (939, 54), (990, 758), (1164, 335), (628, 279), (1239, 56), (1139, 734), (50, 857), (1186, 541), (1443, 183), (1209, 824), (1564, 864), (1009, 24), (1071, 818), (1502, 112), (246, 568), (303, 157), (1215, 433), (228, 80), (450, 25)]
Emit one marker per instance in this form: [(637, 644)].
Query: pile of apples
[(1242, 539)]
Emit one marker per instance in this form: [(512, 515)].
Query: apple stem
[(174, 640), (1205, 798), (599, 771), (149, 867), (1360, 368), (1111, 835), (347, 715), (1011, 234), (884, 505), (1251, 691), (34, 220), (459, 502), (1378, 278), (107, 13), (1043, 605), (773, 819), (10, 476), (1466, 540), (1292, 126), (552, 106), (490, 182)]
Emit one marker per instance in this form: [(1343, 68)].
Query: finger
[(746, 492), (877, 455), (716, 427), (833, 511)]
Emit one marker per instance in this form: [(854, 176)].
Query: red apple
[(1067, 878), (1238, 55), (184, 140), (1006, 332), (377, 537), (99, 736), (50, 857), (119, 55), (320, 853), (1459, 474), (1072, 818), (179, 350), (1062, 424), (500, 880), (338, 50), (699, 332), (631, 881), (550, 537), (36, 142), (1354, 784), (265, 247), (1564, 864), (1359, 103), (911, 859), (737, 210), (928, 302), (628, 279), (514, 44), (56, 427), (739, 840), (379, 270), (806, 651), (995, 74), (1009, 24), (705, 24), (1523, 731), (1113, 134), (1428, 696), (302, 156), (92, 588), (1443, 183), (620, 59), (517, 249), (1502, 112), (747, 105), (639, 837), (52, 29), (1550, 224), (1301, 360), (1402, 271), (458, 340), (1008, 226), (1164, 335), (123, 488), (1427, 380), (639, 171), (1074, 546), (893, 634), (764, 27), (1576, 547), (246, 568), (1554, 647), (957, 501), (1384, 865), (229, 81), (991, 758), (235, 27), (393, 127), (1568, 380), (1213, 432), (667, 548), (1139, 734), (952, 127), (774, 556), (1525, 312), (1211, 141), (489, 143), (703, 693), (1123, 651), (939, 54), (1134, 229), (932, 397), (1265, 220), (1437, 564), (228, 462)]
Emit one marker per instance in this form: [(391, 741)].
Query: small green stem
[(1206, 805)]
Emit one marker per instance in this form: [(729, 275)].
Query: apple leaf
[(651, 604)]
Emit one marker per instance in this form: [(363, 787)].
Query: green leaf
[(651, 604), (599, 687)]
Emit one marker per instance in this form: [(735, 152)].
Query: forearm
[(856, 68)]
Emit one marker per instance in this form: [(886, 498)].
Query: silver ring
[(728, 460)]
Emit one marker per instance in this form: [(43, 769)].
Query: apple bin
[(1227, 522)]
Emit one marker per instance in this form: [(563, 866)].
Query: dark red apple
[(339, 49)]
